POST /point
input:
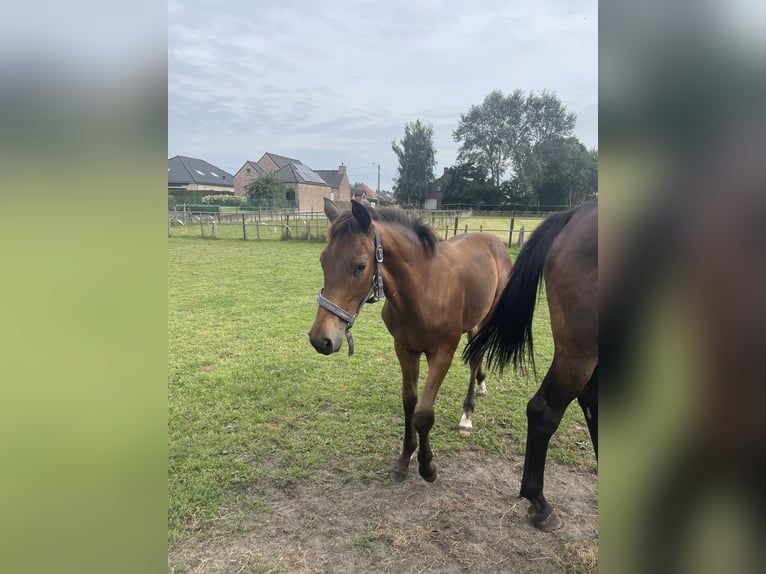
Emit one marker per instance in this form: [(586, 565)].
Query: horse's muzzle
[(322, 345)]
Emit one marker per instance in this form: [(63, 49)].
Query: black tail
[(507, 334)]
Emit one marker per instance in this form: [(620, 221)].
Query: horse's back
[(482, 263)]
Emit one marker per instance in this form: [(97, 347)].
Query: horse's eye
[(359, 268)]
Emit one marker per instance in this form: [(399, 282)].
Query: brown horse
[(435, 291), (563, 251)]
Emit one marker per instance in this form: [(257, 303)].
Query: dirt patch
[(469, 519)]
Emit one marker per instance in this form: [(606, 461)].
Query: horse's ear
[(361, 215), (330, 209)]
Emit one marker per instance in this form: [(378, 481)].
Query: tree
[(267, 191), (417, 159), (470, 185), (563, 172), (488, 132), (502, 132)]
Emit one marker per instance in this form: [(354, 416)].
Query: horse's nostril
[(327, 346)]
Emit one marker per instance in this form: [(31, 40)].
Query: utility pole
[(378, 190)]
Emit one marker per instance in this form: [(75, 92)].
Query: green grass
[(253, 406)]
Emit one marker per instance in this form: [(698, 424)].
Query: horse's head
[(351, 267)]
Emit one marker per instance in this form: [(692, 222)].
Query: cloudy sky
[(335, 81)]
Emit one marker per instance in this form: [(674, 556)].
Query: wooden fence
[(513, 229)]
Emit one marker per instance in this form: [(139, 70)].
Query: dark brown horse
[(435, 291), (563, 251)]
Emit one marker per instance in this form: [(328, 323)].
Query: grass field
[(251, 404)]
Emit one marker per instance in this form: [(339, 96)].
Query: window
[(247, 170)]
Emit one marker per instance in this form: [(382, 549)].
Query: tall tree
[(490, 131), (417, 159), (502, 132)]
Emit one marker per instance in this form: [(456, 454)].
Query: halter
[(374, 294)]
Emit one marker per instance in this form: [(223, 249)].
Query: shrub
[(224, 199)]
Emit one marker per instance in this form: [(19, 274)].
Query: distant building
[(435, 194), (190, 179), (362, 191), (306, 187), (338, 182)]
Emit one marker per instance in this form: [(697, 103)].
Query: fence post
[(481, 228), (510, 233), (466, 228), (446, 232), (168, 227), (521, 236), (456, 218), (308, 230), (244, 229)]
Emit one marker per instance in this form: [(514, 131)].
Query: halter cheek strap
[(374, 294)]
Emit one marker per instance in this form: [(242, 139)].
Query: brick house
[(306, 188), (338, 182), (246, 175), (190, 179)]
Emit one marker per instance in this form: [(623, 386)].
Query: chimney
[(445, 170), (342, 169)]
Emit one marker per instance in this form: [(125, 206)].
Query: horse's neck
[(405, 267)]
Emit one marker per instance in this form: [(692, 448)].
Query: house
[(338, 181), (363, 191), (272, 162), (251, 170), (246, 175), (306, 188), (190, 179), (435, 194)]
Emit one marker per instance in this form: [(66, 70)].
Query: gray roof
[(299, 173), (184, 170), (253, 164), (333, 177), (280, 160)]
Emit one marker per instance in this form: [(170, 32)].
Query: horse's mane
[(346, 224)]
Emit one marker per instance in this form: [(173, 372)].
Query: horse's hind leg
[(544, 413), (476, 387), (588, 400)]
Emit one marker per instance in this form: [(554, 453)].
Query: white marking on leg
[(465, 424), (481, 389)]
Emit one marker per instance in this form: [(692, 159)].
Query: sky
[(334, 82)]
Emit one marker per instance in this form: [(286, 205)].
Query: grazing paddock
[(278, 457)]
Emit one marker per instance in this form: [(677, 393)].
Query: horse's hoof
[(544, 523), (397, 475), (465, 427), (429, 476), (481, 390)]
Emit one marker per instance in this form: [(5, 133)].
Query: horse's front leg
[(438, 365), (410, 365)]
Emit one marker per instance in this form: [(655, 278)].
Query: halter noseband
[(373, 295)]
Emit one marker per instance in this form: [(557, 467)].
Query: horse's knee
[(541, 418), (423, 419)]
